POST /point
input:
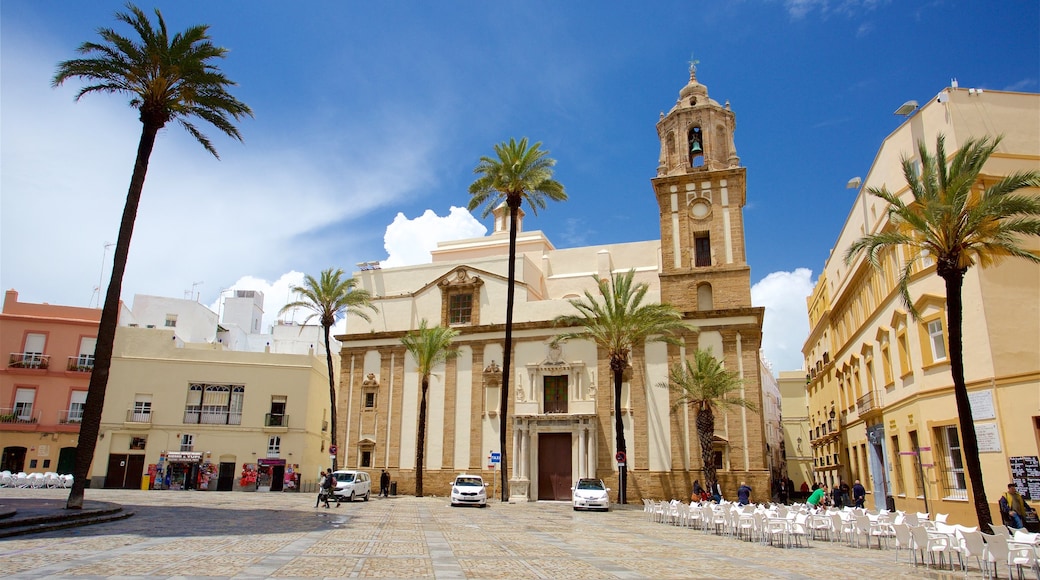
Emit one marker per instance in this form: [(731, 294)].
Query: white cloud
[(409, 241), (786, 324)]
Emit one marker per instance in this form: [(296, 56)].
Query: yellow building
[(204, 417), (881, 404), (798, 458)]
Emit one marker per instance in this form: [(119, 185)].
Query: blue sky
[(368, 110)]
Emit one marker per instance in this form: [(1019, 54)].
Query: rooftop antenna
[(191, 294), (101, 275)]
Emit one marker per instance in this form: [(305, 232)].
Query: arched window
[(696, 142)]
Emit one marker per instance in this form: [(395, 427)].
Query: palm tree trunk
[(706, 435), (420, 440), (954, 279), (617, 367), (332, 398), (503, 421), (91, 424)]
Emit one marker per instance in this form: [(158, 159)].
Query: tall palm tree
[(330, 298), (167, 79), (707, 386), (518, 173), (959, 226), (617, 322), (429, 346)]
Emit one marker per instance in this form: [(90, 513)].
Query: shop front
[(270, 474), (179, 470)]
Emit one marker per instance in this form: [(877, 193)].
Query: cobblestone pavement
[(183, 534)]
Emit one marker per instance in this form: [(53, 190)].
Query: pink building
[(49, 355)]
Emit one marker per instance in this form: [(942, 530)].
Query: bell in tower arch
[(696, 147)]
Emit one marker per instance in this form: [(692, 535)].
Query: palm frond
[(166, 78)]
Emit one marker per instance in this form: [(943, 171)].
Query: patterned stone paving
[(256, 535)]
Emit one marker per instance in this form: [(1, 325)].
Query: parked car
[(590, 494), (469, 490), (352, 484)]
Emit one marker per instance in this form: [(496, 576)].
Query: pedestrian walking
[(384, 484), (321, 489)]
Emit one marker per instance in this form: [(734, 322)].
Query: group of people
[(712, 493), (839, 495)]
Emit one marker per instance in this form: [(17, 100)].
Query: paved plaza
[(186, 534)]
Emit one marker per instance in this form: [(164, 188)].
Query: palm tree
[(707, 386), (518, 173), (167, 79), (958, 226), (429, 347), (617, 322), (330, 298)]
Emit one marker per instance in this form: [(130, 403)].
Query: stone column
[(583, 453), (519, 484)]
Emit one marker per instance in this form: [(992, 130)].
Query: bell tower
[(700, 189)]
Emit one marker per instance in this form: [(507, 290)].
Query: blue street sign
[(496, 457)]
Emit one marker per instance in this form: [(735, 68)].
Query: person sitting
[(1014, 507), (698, 491)]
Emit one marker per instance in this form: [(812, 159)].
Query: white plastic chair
[(996, 552), (970, 545), (930, 544), (903, 538), (797, 531), (1020, 555)]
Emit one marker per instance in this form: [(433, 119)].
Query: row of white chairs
[(748, 522), (35, 480), (914, 532)]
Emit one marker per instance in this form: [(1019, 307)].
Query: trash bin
[(393, 488), (890, 504)]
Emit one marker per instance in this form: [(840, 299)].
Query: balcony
[(869, 405), (83, 363), (195, 415), (71, 416), (276, 423), (276, 420), (22, 415), (29, 361), (139, 416)]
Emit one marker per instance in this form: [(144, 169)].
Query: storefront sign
[(270, 461), (184, 456)]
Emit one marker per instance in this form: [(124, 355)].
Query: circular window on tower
[(700, 208)]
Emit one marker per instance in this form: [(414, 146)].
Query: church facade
[(560, 409)]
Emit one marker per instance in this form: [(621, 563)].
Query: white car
[(352, 484), (469, 490), (590, 494)]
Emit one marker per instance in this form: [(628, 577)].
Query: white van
[(352, 484)]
